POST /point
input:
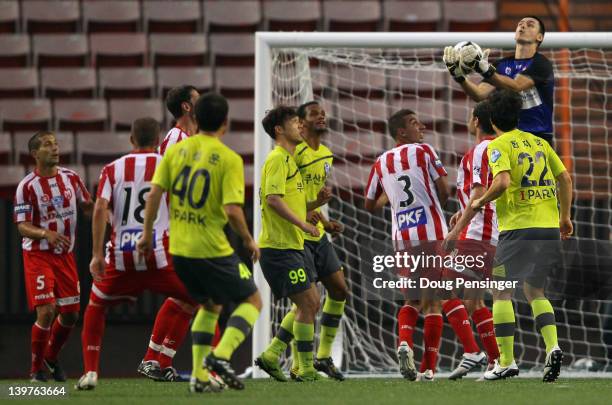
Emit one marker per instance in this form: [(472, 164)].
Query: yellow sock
[(330, 320), (238, 328), (279, 343), (304, 336), (202, 333), (544, 316), (503, 319)]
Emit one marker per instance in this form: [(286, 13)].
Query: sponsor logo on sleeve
[(495, 155), (411, 218), (23, 208)]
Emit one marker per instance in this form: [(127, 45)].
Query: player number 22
[(297, 276), (526, 181)]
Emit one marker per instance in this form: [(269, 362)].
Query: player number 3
[(297, 276)]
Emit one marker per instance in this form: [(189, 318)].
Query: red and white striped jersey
[(50, 203), (406, 174), (175, 135), (474, 169), (125, 183)]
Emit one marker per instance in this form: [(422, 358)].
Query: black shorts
[(527, 254), (285, 271), (222, 279), (321, 258)]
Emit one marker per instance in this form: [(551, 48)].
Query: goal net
[(360, 86)]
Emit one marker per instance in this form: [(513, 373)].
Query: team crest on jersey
[(129, 237), (58, 201), (438, 163), (410, 218), (495, 155)]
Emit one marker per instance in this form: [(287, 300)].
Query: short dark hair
[(176, 96), (301, 110), (482, 112), (542, 27), (277, 116), (35, 142), (505, 109), (211, 111), (396, 121), (145, 131)]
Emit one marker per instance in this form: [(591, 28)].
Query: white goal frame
[(265, 42)]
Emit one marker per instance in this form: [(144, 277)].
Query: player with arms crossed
[(205, 181), (414, 181), (314, 160), (46, 216), (283, 208), (526, 172), (528, 73), (475, 233), (120, 277)]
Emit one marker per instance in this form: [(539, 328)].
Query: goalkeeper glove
[(451, 60), (474, 58)]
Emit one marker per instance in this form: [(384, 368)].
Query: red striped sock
[(483, 318), (406, 321), (460, 322), (57, 340), (432, 334), (216, 337), (164, 320), (174, 338), (94, 322), (40, 337)]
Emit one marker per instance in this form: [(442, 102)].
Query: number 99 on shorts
[(297, 276)]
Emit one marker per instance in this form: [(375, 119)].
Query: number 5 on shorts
[(40, 282), (297, 276)]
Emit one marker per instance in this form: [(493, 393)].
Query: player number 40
[(186, 186)]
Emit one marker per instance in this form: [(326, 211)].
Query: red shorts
[(51, 279), (119, 286), (473, 260), (420, 264)]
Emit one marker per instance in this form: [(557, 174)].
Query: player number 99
[(297, 276)]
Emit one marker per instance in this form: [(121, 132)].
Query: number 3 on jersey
[(194, 187)]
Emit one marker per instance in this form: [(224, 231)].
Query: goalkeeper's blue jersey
[(538, 101)]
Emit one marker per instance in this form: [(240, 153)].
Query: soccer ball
[(472, 51)]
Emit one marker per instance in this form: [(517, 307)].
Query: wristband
[(459, 79), (490, 72)]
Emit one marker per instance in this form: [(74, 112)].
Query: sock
[(458, 318), (174, 338), (202, 334), (330, 320), (503, 318), (432, 333), (57, 340), (163, 322), (483, 318), (91, 337), (544, 316), (406, 321), (40, 337), (238, 328), (295, 360), (304, 336), (283, 337)]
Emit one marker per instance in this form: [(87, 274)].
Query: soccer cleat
[(500, 373), (405, 356), (216, 381), (469, 361), (171, 375), (87, 382), (308, 377), (202, 387), (56, 371), (293, 373), (150, 369), (224, 371), (490, 367), (38, 377), (328, 367), (272, 369), (552, 367), (427, 376)]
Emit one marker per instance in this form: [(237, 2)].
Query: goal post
[(351, 50)]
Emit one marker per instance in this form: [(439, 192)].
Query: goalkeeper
[(528, 73), (526, 174)]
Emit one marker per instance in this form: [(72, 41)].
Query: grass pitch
[(369, 391)]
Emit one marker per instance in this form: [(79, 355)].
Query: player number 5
[(40, 282)]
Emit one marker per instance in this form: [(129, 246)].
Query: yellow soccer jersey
[(201, 175), (531, 199), (280, 175), (315, 166)]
